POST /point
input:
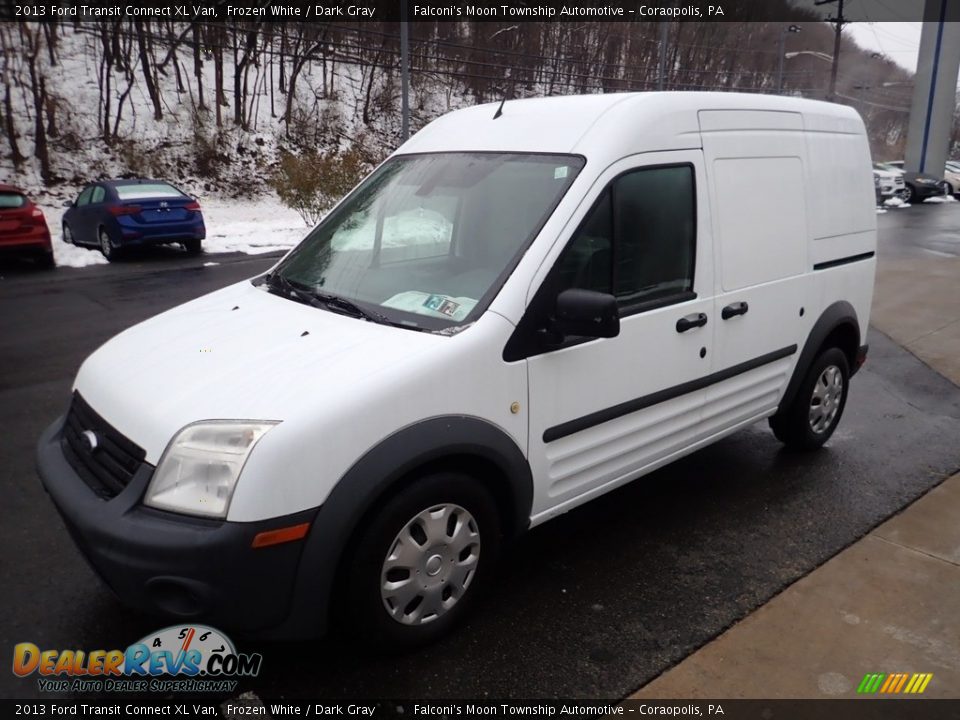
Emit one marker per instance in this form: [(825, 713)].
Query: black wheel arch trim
[(834, 316), (375, 474)]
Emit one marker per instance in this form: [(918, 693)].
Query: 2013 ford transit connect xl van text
[(524, 307)]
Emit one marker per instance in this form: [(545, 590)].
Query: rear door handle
[(734, 309), (689, 322)]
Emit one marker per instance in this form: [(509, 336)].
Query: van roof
[(609, 124)]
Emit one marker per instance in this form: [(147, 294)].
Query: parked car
[(23, 228), (889, 183), (118, 214), (917, 186), (348, 438), (951, 174)]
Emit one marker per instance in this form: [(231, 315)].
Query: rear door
[(81, 221), (756, 164), (603, 410)]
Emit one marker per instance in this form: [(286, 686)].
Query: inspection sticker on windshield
[(441, 304), (560, 172)]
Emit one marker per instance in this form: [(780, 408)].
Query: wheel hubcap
[(825, 402), (105, 243), (430, 564)]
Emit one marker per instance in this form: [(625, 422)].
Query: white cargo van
[(524, 307)]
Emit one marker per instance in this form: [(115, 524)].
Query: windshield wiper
[(338, 303), (278, 284), (335, 303)]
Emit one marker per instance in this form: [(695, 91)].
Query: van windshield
[(427, 240)]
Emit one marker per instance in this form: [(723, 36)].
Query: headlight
[(926, 181), (200, 467)]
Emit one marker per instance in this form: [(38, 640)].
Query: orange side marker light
[(282, 535)]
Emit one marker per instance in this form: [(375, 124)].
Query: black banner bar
[(459, 10), (251, 707)]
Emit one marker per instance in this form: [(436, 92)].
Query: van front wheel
[(421, 560), (810, 421)]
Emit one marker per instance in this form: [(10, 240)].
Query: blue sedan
[(117, 214)]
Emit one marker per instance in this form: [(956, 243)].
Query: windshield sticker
[(437, 305), (560, 172), (441, 304)]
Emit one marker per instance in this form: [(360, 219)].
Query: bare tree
[(31, 35), (147, 69)]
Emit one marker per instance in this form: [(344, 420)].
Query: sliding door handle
[(689, 322), (734, 309)]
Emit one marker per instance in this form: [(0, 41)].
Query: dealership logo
[(894, 683), (190, 658)]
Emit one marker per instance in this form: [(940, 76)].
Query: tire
[(193, 247), (908, 193), (68, 235), (806, 425), (110, 252), (443, 534)]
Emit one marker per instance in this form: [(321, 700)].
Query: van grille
[(109, 467)]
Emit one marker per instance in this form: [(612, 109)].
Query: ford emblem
[(91, 440)]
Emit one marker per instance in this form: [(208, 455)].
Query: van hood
[(238, 353)]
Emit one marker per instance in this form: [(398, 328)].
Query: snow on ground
[(73, 256), (941, 199), (895, 202), (250, 226), (881, 211)]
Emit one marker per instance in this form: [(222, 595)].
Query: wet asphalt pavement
[(591, 605)]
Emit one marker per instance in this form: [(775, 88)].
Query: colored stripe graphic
[(894, 683)]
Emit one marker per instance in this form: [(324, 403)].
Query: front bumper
[(170, 564)]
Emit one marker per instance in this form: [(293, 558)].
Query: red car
[(23, 229)]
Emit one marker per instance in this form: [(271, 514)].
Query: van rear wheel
[(815, 413), (420, 561)]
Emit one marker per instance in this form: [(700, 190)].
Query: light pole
[(783, 44), (404, 73)]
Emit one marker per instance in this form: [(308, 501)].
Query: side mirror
[(587, 313), (68, 203)]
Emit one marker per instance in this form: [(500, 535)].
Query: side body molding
[(468, 440), (838, 315)]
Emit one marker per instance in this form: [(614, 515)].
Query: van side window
[(639, 239), (586, 261)]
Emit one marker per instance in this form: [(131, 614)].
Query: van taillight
[(118, 210), (192, 206), (37, 213)]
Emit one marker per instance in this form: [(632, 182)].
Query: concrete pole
[(783, 49), (662, 65), (934, 89), (836, 51), (404, 73)]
